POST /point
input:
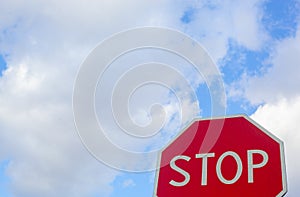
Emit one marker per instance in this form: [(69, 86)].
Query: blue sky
[(255, 44), (2, 64)]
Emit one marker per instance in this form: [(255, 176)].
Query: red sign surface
[(246, 160)]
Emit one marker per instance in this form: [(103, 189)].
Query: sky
[(255, 45)]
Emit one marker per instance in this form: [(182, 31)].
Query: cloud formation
[(44, 44)]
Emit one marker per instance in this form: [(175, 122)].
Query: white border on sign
[(271, 135)]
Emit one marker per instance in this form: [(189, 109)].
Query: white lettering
[(239, 167), (251, 166), (204, 166), (181, 171), (204, 176)]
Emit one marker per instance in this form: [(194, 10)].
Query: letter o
[(239, 167)]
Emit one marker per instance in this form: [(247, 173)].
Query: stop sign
[(245, 160)]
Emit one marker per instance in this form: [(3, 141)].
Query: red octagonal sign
[(245, 160)]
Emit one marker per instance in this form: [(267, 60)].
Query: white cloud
[(280, 81), (46, 157), (237, 20), (246, 27), (46, 42), (282, 119)]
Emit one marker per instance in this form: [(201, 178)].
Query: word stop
[(205, 159)]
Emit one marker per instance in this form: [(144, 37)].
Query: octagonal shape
[(245, 160)]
